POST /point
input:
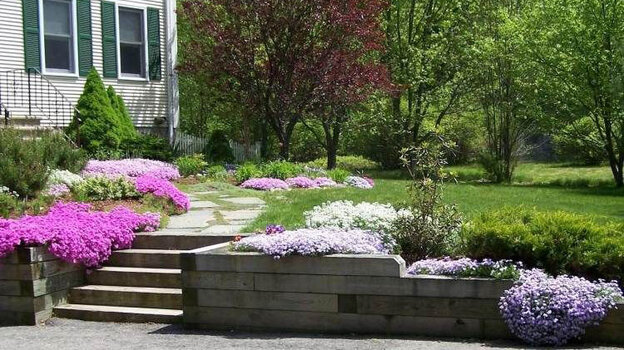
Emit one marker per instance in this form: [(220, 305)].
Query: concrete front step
[(144, 297), (104, 313), (20, 120), (136, 276), (151, 258), (177, 241)]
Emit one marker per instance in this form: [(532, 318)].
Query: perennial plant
[(132, 168), (465, 267), (265, 184), (158, 187)]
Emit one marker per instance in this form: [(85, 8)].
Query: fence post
[(29, 102)]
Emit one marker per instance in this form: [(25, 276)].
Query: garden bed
[(32, 282), (365, 294)]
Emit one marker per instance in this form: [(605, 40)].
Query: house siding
[(145, 100)]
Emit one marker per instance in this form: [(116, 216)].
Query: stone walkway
[(207, 217)]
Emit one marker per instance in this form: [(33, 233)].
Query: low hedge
[(559, 242), (350, 163)]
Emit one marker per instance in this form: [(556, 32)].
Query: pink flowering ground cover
[(301, 182), (162, 188), (265, 184), (132, 168), (75, 233)]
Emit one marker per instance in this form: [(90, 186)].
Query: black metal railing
[(29, 93), (4, 113)]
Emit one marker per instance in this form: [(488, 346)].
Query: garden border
[(365, 294), (32, 282)]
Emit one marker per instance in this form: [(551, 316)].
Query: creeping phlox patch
[(132, 168), (76, 234)]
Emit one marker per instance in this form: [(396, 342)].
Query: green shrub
[(580, 143), (338, 175), (218, 173), (191, 165), (351, 163), (26, 164), (102, 188), (559, 242), (218, 149), (495, 168), (98, 126), (304, 147), (126, 128), (148, 146), (247, 171), (281, 170)]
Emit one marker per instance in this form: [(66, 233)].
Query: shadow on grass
[(178, 329)]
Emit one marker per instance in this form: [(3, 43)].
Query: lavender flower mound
[(465, 267), (274, 229), (76, 234), (58, 190), (132, 168), (301, 182), (358, 182), (325, 182), (265, 184), (313, 242), (544, 310)]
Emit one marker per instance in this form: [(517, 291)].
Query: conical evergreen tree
[(96, 126), (127, 129)]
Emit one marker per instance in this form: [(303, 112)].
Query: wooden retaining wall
[(32, 282), (363, 294)]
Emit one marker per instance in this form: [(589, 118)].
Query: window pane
[(130, 26), (58, 53), (131, 59), (56, 17)]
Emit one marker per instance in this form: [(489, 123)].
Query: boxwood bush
[(559, 242), (191, 165)]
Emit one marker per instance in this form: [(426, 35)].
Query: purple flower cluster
[(314, 242), (132, 168), (465, 267), (76, 234), (545, 310), (162, 188), (58, 190), (359, 182), (274, 229), (325, 182), (265, 184), (301, 182)]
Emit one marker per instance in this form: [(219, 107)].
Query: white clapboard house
[(49, 46)]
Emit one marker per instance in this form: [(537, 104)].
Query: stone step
[(178, 241), (21, 120), (136, 276), (29, 130), (157, 258), (148, 297), (104, 313)]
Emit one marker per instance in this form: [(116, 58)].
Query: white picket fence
[(188, 144)]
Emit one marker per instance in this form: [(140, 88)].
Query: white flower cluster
[(63, 177), (347, 215), (6, 190)]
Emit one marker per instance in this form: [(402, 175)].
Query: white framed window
[(59, 47), (131, 42)]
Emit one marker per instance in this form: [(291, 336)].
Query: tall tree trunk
[(264, 139)]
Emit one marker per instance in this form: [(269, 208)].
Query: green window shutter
[(32, 50), (153, 43), (109, 40), (85, 38)]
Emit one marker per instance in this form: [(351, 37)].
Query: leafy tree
[(279, 58), (578, 46), (96, 126), (504, 84)]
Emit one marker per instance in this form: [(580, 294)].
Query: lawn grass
[(584, 190)]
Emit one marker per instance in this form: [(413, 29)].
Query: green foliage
[(247, 171), (559, 242), (102, 188), (433, 227), (218, 149), (579, 142), (191, 165), (25, 164), (495, 167), (304, 146), (148, 146), (351, 163), (218, 173), (467, 134), (126, 128), (98, 126), (338, 175), (281, 170)]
